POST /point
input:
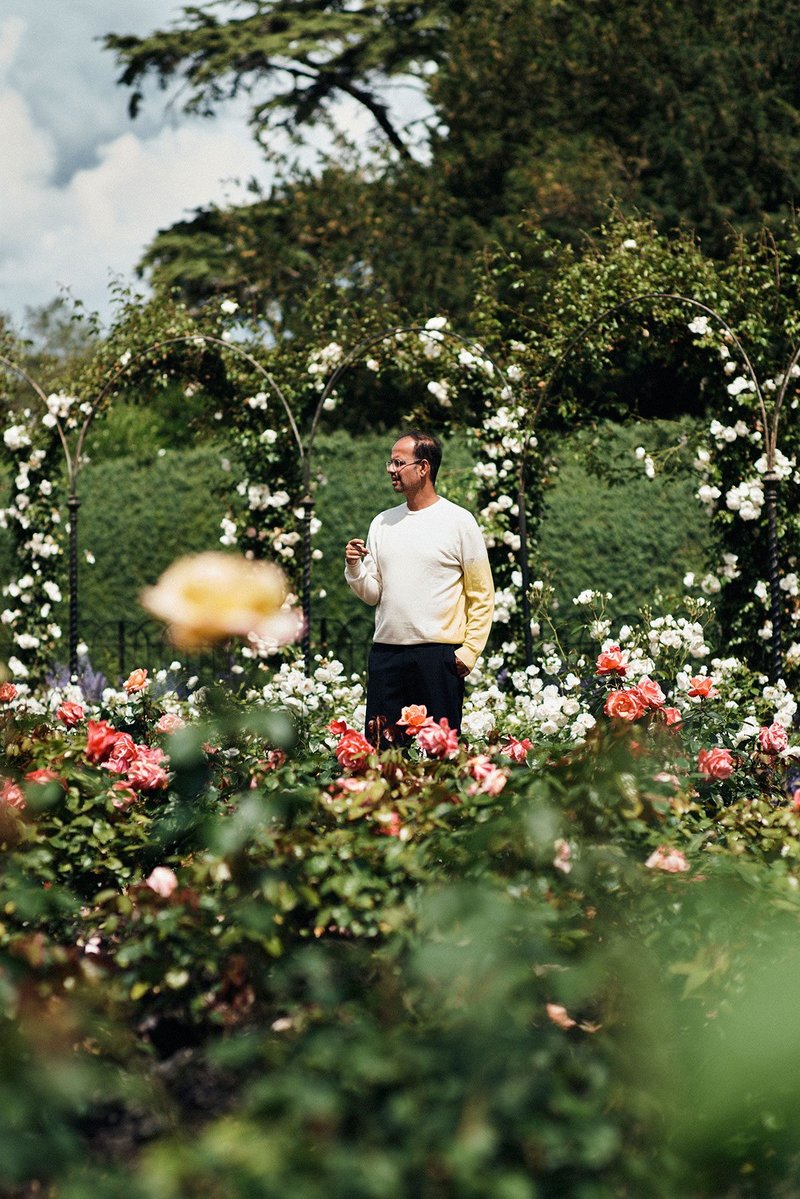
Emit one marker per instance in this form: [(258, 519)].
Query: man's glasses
[(398, 464)]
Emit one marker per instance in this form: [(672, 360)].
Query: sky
[(85, 188)]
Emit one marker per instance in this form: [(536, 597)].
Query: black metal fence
[(116, 647)]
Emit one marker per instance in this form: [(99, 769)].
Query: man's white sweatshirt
[(427, 571)]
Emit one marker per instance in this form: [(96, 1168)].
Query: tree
[(308, 53)]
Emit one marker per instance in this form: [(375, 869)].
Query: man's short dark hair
[(427, 448)]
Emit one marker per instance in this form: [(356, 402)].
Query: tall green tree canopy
[(541, 111)]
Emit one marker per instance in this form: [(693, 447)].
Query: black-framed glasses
[(397, 464)]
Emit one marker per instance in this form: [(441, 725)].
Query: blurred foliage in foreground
[(435, 977)]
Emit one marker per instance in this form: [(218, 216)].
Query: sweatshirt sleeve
[(364, 577), (479, 594)]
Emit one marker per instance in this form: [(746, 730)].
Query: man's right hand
[(354, 551)]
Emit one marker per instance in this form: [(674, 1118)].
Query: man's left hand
[(461, 667)]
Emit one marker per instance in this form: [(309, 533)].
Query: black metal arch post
[(770, 423)]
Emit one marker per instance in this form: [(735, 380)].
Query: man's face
[(407, 477)]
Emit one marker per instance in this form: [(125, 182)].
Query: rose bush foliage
[(538, 930)]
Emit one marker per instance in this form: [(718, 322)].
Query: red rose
[(100, 740), (773, 738), (625, 704), (516, 750), (611, 661), (353, 750), (650, 692), (7, 692), (716, 763), (70, 713)]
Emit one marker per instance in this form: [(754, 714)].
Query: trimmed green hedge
[(139, 512)]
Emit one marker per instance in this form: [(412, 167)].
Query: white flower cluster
[(323, 361), (530, 708), (676, 633), (729, 433), (747, 499), (326, 694), (783, 468)]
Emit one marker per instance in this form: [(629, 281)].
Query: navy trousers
[(399, 675)]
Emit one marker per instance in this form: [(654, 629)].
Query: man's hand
[(461, 667), (354, 551)]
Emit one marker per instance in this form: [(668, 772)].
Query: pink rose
[(702, 687), (162, 880), (650, 692), (44, 775), (136, 681), (490, 779), (146, 772), (670, 860), (124, 795), (716, 763), (611, 661), (438, 740), (773, 738), (122, 754), (11, 795), (672, 716), (170, 723), (7, 692), (625, 704), (563, 859), (70, 713), (100, 740), (392, 827), (516, 750)]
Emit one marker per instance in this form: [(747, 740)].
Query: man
[(425, 568)]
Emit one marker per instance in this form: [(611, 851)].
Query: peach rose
[(213, 596), (716, 763), (702, 687), (611, 661), (773, 738), (625, 704), (162, 880), (670, 860), (136, 681), (560, 1016), (650, 692), (7, 692), (415, 717), (70, 713), (672, 715)]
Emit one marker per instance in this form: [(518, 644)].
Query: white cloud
[(97, 223)]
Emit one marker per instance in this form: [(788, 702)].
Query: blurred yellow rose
[(212, 596)]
